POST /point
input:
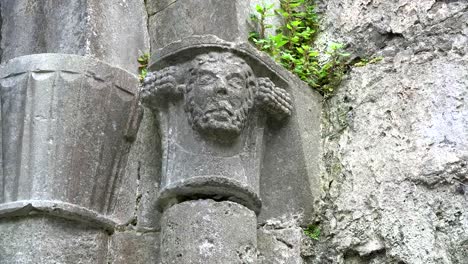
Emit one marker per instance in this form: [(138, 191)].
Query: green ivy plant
[(292, 45), (313, 232), (143, 61)]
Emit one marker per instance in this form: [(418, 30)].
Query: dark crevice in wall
[(353, 257), (1, 20), (148, 24), (194, 197), (389, 36)]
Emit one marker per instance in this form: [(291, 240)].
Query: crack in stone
[(289, 245), (1, 22), (162, 9), (134, 221)]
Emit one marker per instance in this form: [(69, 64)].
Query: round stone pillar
[(212, 109), (66, 125), (208, 232)]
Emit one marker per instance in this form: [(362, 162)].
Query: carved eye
[(206, 79), (236, 82)]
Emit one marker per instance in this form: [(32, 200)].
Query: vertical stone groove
[(1, 20)]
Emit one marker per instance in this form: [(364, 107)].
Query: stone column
[(212, 110), (68, 114), (214, 151), (66, 121)]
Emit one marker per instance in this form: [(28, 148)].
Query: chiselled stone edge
[(58, 209), (209, 187), (51, 62), (187, 48)]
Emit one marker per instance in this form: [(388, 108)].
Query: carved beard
[(217, 117)]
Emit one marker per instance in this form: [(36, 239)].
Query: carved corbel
[(160, 86), (275, 101), (211, 113), (219, 90)]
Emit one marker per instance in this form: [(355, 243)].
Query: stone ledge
[(58, 209), (211, 187), (68, 63)]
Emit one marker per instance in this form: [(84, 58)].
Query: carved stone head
[(219, 94), (219, 90)]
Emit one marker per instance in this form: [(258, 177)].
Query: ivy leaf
[(296, 23), (259, 8)]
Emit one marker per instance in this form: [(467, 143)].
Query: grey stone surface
[(289, 182), (66, 125), (212, 126), (155, 6), (205, 231), (59, 209), (280, 246), (130, 247), (50, 240), (140, 184), (111, 30), (227, 19), (395, 136)]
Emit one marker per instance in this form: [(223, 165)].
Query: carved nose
[(221, 88)]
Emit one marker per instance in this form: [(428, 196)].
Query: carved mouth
[(221, 108), (219, 114)]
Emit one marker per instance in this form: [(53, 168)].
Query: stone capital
[(212, 109)]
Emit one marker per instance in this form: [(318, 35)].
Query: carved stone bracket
[(217, 80), (212, 109)]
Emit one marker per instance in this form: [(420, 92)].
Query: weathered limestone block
[(50, 240), (395, 136), (141, 180), (208, 232), (280, 246), (66, 125), (289, 181), (212, 111), (429, 27), (171, 21), (110, 30), (131, 247)]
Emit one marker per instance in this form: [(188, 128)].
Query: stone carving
[(219, 91), (66, 125), (211, 112), (272, 99)]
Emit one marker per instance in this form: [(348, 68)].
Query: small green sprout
[(143, 61), (312, 231)]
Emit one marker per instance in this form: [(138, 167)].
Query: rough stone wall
[(395, 137), (394, 170)]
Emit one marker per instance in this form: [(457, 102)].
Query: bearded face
[(218, 98)]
